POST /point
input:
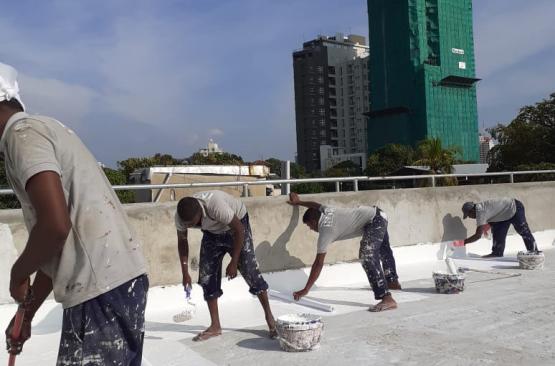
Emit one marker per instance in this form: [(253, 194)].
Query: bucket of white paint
[(531, 260), (447, 283), (299, 332)]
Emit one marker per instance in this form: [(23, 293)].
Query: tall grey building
[(331, 95)]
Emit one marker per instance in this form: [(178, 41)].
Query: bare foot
[(272, 328), (394, 285), (207, 334), (387, 303)]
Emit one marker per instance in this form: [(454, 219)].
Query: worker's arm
[(314, 274), (183, 250), (238, 231), (477, 235), (296, 201), (47, 238)]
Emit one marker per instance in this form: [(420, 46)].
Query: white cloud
[(67, 102), (215, 132), (506, 36)]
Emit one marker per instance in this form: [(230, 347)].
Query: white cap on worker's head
[(8, 84)]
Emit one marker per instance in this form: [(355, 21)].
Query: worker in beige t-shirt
[(81, 246)]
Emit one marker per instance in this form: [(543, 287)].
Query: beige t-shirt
[(218, 209), (342, 223), (495, 210), (101, 251)]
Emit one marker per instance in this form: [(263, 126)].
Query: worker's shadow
[(453, 229), (275, 257)]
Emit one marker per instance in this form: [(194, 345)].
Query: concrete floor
[(495, 321)]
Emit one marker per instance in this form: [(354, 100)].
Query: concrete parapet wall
[(420, 215)]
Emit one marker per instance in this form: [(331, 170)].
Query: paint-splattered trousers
[(106, 330), (499, 231), (375, 251), (212, 251)]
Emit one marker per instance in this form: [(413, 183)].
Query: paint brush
[(190, 308), (451, 266), (18, 325)]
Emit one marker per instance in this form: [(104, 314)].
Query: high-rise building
[(331, 95), (486, 144), (422, 74)]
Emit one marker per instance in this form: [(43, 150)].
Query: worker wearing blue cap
[(499, 213)]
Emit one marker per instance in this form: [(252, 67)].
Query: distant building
[(423, 81), (331, 95), (197, 174), (212, 148), (331, 156), (486, 144)]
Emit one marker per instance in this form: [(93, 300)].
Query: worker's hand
[(298, 294), (231, 270), (187, 280), (458, 243), (486, 230), (14, 346), (293, 199), (19, 289)]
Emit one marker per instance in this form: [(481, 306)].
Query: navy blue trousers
[(106, 330), (375, 251), (499, 231), (212, 251)]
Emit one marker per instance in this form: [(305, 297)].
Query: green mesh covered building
[(422, 74)]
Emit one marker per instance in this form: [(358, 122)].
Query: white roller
[(451, 266), (304, 302)]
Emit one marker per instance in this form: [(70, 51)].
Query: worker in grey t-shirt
[(499, 213), (224, 222), (81, 246), (335, 224)]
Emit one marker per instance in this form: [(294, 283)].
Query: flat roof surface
[(497, 320)]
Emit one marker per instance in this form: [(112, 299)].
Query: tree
[(128, 166), (117, 177), (344, 169), (6, 201), (388, 159), (432, 154), (275, 166), (216, 159), (529, 140)]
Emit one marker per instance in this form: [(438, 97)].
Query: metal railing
[(336, 180)]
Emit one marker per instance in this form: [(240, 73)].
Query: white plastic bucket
[(531, 260), (299, 332), (447, 283)]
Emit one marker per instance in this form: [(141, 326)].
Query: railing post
[(286, 174), (337, 187), (512, 177), (355, 185), (433, 181), (245, 190)]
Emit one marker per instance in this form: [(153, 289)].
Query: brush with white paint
[(190, 308), (451, 266)]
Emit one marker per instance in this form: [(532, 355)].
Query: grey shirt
[(101, 251), (495, 210), (218, 209), (342, 223)]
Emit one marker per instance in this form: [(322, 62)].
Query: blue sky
[(136, 77)]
